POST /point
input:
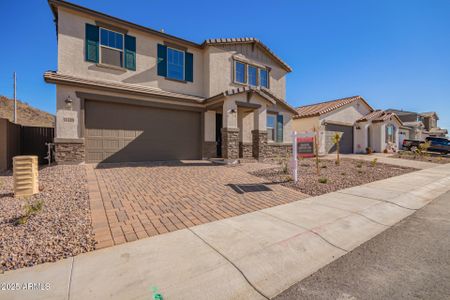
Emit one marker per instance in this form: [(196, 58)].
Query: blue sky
[(393, 53)]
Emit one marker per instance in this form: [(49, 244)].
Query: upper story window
[(111, 47), (252, 75), (264, 78), (239, 75), (175, 64), (249, 74)]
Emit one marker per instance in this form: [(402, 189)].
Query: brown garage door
[(346, 143), (127, 133)]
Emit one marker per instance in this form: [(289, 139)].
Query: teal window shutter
[(130, 52), (92, 41), (279, 128), (162, 60), (189, 67)]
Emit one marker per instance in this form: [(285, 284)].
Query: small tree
[(316, 150), (336, 139)]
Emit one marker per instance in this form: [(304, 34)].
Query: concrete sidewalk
[(387, 159), (252, 256)]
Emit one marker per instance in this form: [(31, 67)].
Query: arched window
[(390, 133)]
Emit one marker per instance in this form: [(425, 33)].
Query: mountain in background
[(26, 114)]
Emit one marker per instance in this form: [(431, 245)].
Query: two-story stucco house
[(130, 93)]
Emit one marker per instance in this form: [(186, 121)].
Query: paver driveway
[(134, 201)]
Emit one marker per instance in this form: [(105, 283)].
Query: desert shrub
[(359, 165), (30, 208), (323, 180), (373, 163)]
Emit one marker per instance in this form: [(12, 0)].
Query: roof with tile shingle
[(321, 108), (379, 116), (248, 40), (263, 92)]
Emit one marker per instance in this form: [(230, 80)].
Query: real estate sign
[(305, 146), (302, 146)]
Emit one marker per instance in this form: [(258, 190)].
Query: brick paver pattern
[(134, 201)]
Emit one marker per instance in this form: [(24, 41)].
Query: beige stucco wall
[(305, 124), (360, 138), (219, 68), (348, 114), (213, 66), (210, 126), (71, 58)]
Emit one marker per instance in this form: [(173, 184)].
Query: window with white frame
[(390, 133), (271, 127), (111, 47), (249, 74), (175, 64)]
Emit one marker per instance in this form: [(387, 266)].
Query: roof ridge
[(329, 101)]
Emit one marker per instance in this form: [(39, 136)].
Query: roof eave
[(56, 3)]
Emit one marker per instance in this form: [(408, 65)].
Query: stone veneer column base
[(69, 151), (209, 150), (245, 150), (259, 138), (230, 143)]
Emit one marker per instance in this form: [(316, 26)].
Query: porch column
[(259, 133), (209, 142), (230, 130)]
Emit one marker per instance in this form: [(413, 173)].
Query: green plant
[(373, 163), (30, 208), (423, 148), (360, 172), (323, 180), (336, 139), (359, 165)]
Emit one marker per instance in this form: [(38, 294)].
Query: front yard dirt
[(433, 158), (332, 177), (60, 229)]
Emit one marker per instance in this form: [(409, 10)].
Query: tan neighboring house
[(359, 125), (418, 126), (125, 92)]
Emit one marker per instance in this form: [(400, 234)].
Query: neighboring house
[(418, 126), (130, 93), (358, 123)]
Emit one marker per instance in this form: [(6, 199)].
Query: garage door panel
[(346, 143), (140, 133)]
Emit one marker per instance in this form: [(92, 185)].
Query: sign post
[(294, 156), (303, 146)]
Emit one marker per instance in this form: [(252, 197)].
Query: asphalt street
[(411, 260)]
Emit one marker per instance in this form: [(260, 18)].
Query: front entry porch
[(236, 127)]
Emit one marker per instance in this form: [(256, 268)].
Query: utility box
[(25, 173)]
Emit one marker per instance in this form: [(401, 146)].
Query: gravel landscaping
[(332, 177), (434, 158), (62, 228)]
